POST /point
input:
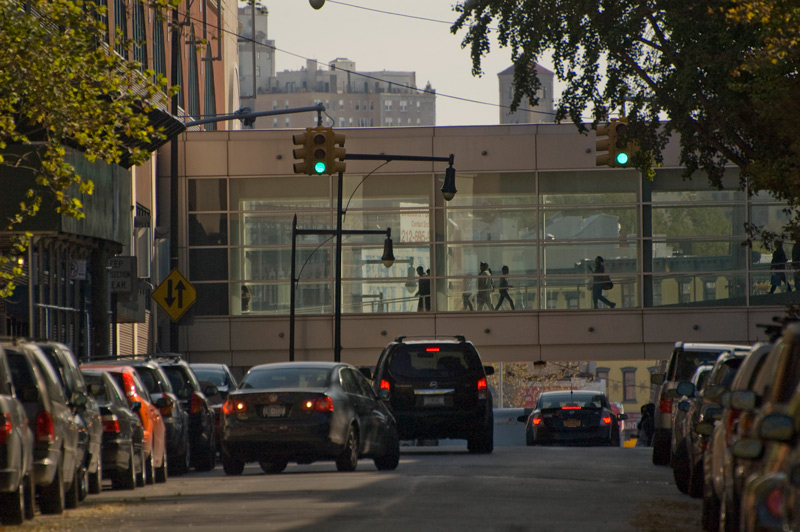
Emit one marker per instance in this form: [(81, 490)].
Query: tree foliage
[(722, 75), (62, 87)]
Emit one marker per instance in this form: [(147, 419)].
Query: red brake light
[(482, 384), (432, 349), (536, 419), (384, 385), (111, 424), (775, 502), (665, 404), (319, 404), (195, 404), (607, 420), (128, 386), (233, 407), (5, 427), (45, 432), (570, 408)]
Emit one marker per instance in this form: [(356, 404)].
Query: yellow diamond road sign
[(175, 294)]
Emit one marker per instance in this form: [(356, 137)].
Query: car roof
[(301, 364), (573, 392), (692, 346)]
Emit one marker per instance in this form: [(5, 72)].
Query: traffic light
[(619, 150), (319, 153)]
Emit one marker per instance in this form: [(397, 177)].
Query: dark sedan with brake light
[(304, 412), (577, 417)]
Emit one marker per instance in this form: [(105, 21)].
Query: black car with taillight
[(578, 417), (304, 412), (437, 389), (123, 434)]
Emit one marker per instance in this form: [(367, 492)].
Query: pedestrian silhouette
[(424, 290), (778, 267), (485, 287), (503, 289), (599, 283)]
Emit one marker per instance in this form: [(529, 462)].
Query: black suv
[(194, 399), (437, 389)]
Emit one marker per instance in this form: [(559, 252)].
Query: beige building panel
[(565, 149), (593, 328), (721, 325), (208, 336), (499, 151), (208, 157)]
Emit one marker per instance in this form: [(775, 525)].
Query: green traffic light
[(622, 158), (319, 167)]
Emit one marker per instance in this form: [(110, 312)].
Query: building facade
[(530, 197), (542, 113)]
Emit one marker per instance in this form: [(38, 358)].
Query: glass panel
[(386, 191), (609, 222), (280, 193), (208, 195), (212, 300), (591, 188), (380, 295), (492, 224), (672, 180), (465, 259), (208, 264), (701, 289), (689, 255), (208, 229), (699, 220), (772, 288), (583, 292), (578, 257), (276, 228), (407, 226), (260, 264), (460, 293), (769, 217), (494, 189), (365, 262), (274, 297)]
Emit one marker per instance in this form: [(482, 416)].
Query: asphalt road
[(434, 489)]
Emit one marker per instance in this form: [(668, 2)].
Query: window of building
[(341, 105), (121, 26), (403, 106), (602, 375), (629, 384), (193, 91), (139, 35), (387, 105), (389, 121)]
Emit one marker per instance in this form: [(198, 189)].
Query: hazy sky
[(411, 39)]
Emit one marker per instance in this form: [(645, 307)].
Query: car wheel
[(729, 514), (232, 466), (529, 437), (149, 470), (12, 506), (483, 441), (208, 457), (161, 471), (30, 497), (51, 497), (660, 451), (348, 459), (179, 465), (72, 496), (274, 466), (125, 479), (140, 480), (696, 479), (96, 478), (711, 509), (680, 468), (390, 456)]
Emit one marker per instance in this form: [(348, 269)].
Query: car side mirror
[(749, 448), (135, 407), (489, 370), (743, 399), (622, 417), (776, 427)]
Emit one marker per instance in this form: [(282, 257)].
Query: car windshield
[(97, 387), (566, 399), (217, 377), (286, 378), (432, 361), (688, 361)]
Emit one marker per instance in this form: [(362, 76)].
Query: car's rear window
[(688, 361), (566, 399), (432, 361), (217, 377), (286, 378)]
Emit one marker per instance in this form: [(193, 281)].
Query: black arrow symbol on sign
[(180, 287)]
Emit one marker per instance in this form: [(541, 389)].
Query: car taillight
[(45, 431), (775, 502), (536, 419), (570, 408), (129, 387), (665, 404), (167, 410), (231, 406), (319, 404), (385, 385), (5, 428), (195, 404), (482, 388), (607, 420), (111, 424)]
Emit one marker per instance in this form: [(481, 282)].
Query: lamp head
[(449, 186), (317, 4), (388, 250)]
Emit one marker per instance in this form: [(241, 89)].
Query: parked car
[(16, 453), (682, 362), (154, 456), (437, 389), (717, 462), (689, 393), (222, 378), (194, 400), (56, 466), (123, 435), (304, 412), (90, 427), (173, 413), (576, 417)]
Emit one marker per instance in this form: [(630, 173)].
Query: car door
[(363, 407)]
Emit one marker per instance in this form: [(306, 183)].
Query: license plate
[(572, 422), (433, 400), (273, 411)]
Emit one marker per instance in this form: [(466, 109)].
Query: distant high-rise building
[(525, 114), (256, 52)]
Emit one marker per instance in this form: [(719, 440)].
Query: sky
[(412, 35)]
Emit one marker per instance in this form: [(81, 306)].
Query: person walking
[(485, 287), (424, 290), (504, 286), (778, 268), (599, 282)]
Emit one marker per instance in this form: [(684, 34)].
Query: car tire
[(232, 466), (529, 441), (696, 480), (96, 478), (729, 514), (482, 442), (390, 456), (711, 509), (72, 496), (680, 468), (661, 449), (140, 475), (180, 465), (149, 470), (125, 479), (273, 467), (30, 497), (208, 457), (12, 506), (348, 458), (51, 497), (161, 471)]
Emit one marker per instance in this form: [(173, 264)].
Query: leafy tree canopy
[(725, 76), (62, 87)]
